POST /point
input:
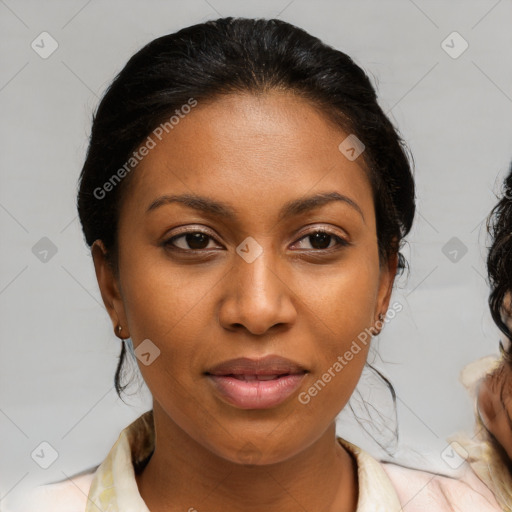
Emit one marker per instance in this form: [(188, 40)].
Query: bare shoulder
[(68, 495), (421, 490)]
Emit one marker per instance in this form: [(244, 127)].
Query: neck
[(184, 475)]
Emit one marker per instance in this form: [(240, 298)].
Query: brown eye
[(321, 240), (192, 240)]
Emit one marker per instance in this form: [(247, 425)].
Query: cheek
[(328, 389), (162, 300), (344, 297), (344, 311)]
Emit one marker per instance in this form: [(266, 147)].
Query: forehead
[(260, 149)]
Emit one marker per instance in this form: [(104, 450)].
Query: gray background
[(58, 352)]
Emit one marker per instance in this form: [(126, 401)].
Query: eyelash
[(341, 242)]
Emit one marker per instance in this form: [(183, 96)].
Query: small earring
[(119, 328), (376, 331)]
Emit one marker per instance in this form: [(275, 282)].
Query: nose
[(258, 297)]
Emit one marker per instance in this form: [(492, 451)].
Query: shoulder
[(421, 490), (388, 486), (69, 495)]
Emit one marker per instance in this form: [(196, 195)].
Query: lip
[(259, 383)]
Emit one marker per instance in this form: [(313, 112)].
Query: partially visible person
[(495, 403), (489, 379)]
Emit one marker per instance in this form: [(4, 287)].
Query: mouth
[(253, 377), (256, 383)]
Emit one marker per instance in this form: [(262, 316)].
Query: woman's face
[(241, 269)]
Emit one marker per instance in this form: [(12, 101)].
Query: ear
[(387, 278), (109, 288)]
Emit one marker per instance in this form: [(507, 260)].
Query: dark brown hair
[(499, 260)]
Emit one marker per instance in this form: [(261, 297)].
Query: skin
[(495, 405), (209, 305), (494, 396)]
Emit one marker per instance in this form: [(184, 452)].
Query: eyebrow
[(291, 208)]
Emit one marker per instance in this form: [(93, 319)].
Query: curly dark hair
[(499, 261), (233, 55)]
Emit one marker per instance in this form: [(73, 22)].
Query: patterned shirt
[(383, 487)]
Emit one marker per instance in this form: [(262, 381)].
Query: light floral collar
[(114, 488)]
